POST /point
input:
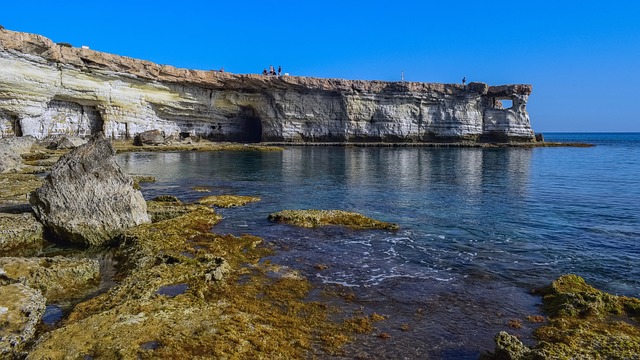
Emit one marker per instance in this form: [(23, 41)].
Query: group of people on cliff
[(272, 71)]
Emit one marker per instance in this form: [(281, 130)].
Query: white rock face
[(46, 89)]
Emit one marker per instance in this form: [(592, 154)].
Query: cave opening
[(16, 126), (249, 124), (251, 129)]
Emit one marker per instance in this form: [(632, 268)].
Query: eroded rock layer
[(46, 89)]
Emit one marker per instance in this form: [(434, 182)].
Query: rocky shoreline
[(182, 290)]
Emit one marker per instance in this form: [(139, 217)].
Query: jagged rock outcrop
[(47, 88), (87, 198)]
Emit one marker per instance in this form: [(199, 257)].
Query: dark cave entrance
[(249, 126), (16, 126), (251, 130)]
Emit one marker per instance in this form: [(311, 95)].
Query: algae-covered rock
[(165, 207), (87, 198), (20, 234), (58, 278), (15, 188), (21, 308), (508, 347), (190, 293), (584, 323), (315, 218), (225, 201)]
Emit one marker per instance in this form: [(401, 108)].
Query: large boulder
[(64, 142), (87, 198), (150, 137), (21, 308)]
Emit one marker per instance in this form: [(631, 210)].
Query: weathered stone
[(149, 137), (10, 151), (87, 198), (20, 311), (123, 96), (20, 234), (10, 162), (58, 278), (65, 142), (18, 145)]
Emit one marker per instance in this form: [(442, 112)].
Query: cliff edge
[(48, 88)]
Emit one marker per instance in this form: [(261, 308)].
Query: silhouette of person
[(464, 80), (279, 70), (264, 72)]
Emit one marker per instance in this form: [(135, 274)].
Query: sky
[(582, 57)]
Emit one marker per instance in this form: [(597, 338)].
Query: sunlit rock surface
[(47, 89), (87, 198)]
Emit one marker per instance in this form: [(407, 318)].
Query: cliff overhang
[(48, 89)]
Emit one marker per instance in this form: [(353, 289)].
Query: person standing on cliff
[(464, 80), (279, 70), (272, 70)]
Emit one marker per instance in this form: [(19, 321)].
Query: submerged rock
[(87, 198), (20, 234), (21, 309), (225, 201), (315, 218), (58, 278)]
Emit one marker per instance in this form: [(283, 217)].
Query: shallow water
[(479, 227)]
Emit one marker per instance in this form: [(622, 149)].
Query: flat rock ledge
[(19, 234), (58, 278), (87, 198), (21, 308), (315, 218), (225, 201)]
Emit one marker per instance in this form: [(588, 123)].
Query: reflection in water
[(479, 229)]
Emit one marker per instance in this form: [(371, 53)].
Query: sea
[(480, 228)]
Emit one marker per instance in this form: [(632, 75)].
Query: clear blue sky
[(582, 57)]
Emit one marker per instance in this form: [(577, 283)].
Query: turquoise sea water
[(480, 228)]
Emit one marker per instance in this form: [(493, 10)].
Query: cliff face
[(47, 88)]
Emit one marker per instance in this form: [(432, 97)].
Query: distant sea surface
[(479, 228)]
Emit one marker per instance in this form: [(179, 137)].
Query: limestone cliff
[(48, 88)]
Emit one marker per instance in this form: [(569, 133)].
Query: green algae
[(234, 306), (141, 179), (127, 146), (583, 323), (225, 201), (315, 218)]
